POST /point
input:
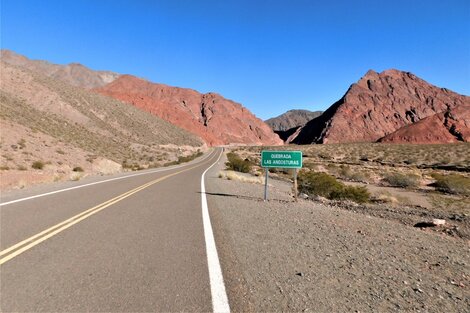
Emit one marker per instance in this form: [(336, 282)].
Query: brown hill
[(292, 119), (378, 105), (450, 126), (63, 127), (210, 116), (74, 73)]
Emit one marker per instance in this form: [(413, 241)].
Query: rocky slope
[(378, 105), (450, 126), (209, 116), (291, 119), (74, 73), (64, 127)]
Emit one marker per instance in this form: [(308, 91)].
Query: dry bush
[(453, 183), (322, 184), (402, 180)]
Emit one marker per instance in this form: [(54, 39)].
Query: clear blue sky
[(270, 56)]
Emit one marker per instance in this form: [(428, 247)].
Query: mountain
[(378, 105), (74, 73), (288, 125), (58, 120), (292, 119), (209, 116), (450, 126)]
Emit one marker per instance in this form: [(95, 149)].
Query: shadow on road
[(241, 197)]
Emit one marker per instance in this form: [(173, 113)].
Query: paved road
[(134, 244)]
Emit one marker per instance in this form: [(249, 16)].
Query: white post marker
[(218, 293)]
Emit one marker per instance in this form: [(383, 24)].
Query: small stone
[(438, 222), (303, 196)]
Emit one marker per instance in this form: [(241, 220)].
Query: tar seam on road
[(32, 241), (219, 295), (96, 183)]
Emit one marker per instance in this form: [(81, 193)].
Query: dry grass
[(414, 167), (237, 176)]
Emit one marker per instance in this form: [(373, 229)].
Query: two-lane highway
[(142, 243)]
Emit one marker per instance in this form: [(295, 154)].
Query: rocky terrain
[(54, 131), (380, 104), (291, 119), (323, 256), (287, 124), (210, 116), (74, 73), (453, 125)]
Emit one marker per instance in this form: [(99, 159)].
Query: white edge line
[(219, 296), (99, 182)]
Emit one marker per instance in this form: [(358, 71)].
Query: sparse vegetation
[(78, 169), (452, 183), (38, 165), (401, 180), (22, 168), (4, 168), (22, 143), (322, 184), (235, 163)]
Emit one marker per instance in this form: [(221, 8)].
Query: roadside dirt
[(308, 256)]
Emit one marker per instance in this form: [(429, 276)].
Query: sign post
[(281, 159)]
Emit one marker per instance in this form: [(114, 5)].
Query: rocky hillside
[(60, 127), (378, 105), (209, 116), (74, 73), (450, 126), (288, 125), (292, 119)]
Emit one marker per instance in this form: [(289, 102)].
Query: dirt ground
[(309, 256)]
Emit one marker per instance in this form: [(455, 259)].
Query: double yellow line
[(27, 244)]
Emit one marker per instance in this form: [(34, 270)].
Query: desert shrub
[(453, 183), (235, 163), (357, 194), (188, 158), (38, 165), (22, 143), (4, 168), (401, 180), (316, 183), (77, 169), (22, 168), (322, 184)]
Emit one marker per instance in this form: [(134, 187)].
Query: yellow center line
[(32, 241)]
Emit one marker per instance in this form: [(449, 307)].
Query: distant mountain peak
[(378, 105), (75, 74)]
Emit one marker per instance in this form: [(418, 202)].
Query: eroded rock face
[(292, 119), (450, 126), (378, 105), (210, 116)]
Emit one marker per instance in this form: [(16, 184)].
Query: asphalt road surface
[(130, 244)]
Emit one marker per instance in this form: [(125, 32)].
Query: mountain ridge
[(377, 105), (205, 115)]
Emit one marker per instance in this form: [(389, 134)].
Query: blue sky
[(271, 56)]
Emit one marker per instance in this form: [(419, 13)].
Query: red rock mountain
[(450, 126), (380, 104), (210, 116)]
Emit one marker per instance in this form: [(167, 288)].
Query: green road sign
[(282, 159)]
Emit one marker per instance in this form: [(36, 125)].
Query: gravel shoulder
[(307, 256)]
